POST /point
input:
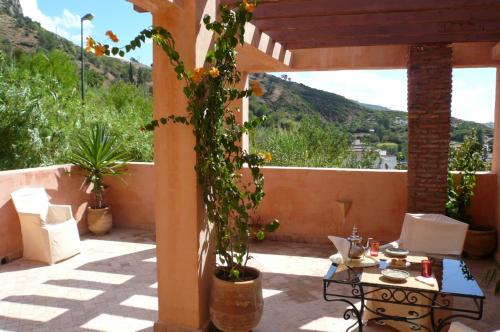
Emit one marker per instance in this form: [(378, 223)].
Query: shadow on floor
[(113, 294)]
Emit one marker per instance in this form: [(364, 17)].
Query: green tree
[(467, 159)]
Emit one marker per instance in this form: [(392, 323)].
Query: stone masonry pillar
[(496, 159), (429, 116)]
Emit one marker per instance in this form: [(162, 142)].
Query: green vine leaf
[(220, 158)]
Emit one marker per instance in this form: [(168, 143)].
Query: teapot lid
[(354, 236)]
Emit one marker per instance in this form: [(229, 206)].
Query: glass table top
[(453, 276)]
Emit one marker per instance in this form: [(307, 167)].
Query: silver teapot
[(356, 248)]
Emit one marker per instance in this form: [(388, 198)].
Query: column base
[(166, 327)]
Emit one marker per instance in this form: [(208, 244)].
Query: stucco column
[(496, 158), (429, 116), (243, 106), (183, 261)]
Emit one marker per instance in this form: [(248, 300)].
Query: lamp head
[(87, 17)]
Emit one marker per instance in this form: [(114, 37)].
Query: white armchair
[(432, 234), (49, 232)]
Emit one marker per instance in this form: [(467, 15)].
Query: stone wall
[(429, 116)]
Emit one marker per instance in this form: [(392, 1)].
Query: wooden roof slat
[(378, 19), (390, 40), (301, 8), (408, 29)]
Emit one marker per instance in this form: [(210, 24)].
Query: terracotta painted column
[(243, 106), (183, 261), (429, 116), (496, 158)]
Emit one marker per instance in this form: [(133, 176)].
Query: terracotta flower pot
[(480, 242), (100, 220), (236, 306)]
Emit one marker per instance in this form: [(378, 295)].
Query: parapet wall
[(307, 201)]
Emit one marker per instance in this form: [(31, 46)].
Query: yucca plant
[(98, 154)]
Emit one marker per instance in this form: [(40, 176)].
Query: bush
[(41, 111), (310, 143)]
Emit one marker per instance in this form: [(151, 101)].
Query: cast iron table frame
[(400, 295)]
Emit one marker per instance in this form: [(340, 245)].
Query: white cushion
[(31, 200), (342, 246), (433, 233), (459, 327), (47, 237)]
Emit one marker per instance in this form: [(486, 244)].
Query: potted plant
[(258, 228), (229, 195), (98, 154), (467, 159)]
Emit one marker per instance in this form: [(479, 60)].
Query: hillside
[(285, 103), (19, 34)]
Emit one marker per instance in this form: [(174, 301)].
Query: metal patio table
[(454, 281)]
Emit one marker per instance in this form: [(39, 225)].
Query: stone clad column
[(496, 159), (429, 116), (183, 260)]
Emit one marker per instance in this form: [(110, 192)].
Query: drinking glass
[(426, 268), (374, 246)]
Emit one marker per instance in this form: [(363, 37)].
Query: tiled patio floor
[(112, 287)]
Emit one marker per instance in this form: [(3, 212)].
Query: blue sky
[(473, 96), (63, 18), (473, 89)]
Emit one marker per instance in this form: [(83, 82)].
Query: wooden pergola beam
[(373, 40), (299, 24), (465, 55), (301, 8), (495, 53), (261, 53), (474, 15), (155, 6)]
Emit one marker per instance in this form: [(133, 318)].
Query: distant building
[(388, 162), (357, 146), (400, 121)]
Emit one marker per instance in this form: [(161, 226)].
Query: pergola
[(426, 37)]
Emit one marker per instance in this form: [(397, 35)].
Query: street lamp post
[(86, 17)]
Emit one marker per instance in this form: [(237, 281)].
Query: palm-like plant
[(98, 155)]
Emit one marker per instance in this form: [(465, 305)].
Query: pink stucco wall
[(303, 199), (131, 200), (131, 197)]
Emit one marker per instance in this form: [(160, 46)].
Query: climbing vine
[(229, 197)]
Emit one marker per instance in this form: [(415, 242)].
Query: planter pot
[(100, 220), (480, 242), (236, 306)]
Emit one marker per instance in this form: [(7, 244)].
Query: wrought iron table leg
[(352, 312)]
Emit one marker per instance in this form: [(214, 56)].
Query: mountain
[(11, 7), (377, 107), (285, 103), (19, 34)]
